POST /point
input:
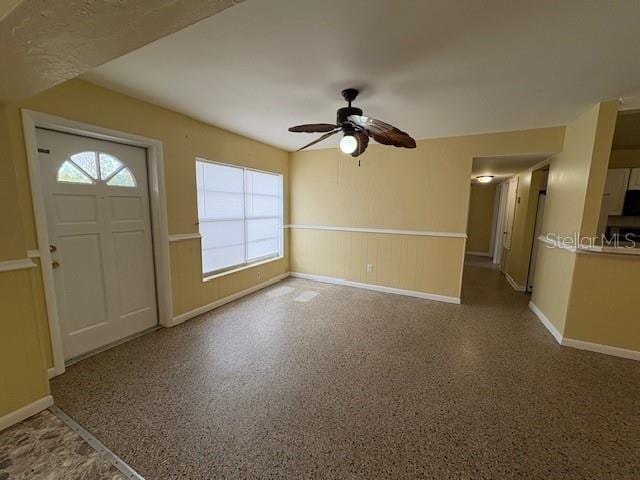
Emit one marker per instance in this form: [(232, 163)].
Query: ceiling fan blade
[(363, 142), (313, 128), (383, 132), (318, 140)]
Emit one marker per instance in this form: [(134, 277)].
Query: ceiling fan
[(356, 129)]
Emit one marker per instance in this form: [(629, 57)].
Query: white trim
[(19, 264), (494, 223), (498, 241), (51, 373), (479, 254), (605, 250), (514, 285), (631, 102), (33, 254), (155, 160), (178, 237), (592, 249), (98, 446), (25, 412), (178, 319), (423, 233), (598, 348), (555, 244), (546, 322), (377, 288), (581, 344)]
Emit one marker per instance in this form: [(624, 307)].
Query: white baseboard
[(514, 285), (25, 412), (178, 319), (580, 344), (546, 322), (606, 349), (479, 254), (377, 288)]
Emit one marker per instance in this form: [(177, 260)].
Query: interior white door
[(97, 203)]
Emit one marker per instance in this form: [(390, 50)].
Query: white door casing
[(537, 231), (98, 222)]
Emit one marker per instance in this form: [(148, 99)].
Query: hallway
[(306, 379)]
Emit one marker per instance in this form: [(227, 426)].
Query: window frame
[(255, 261)]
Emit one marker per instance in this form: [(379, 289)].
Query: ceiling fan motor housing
[(345, 112)]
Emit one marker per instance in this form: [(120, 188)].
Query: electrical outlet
[(369, 268)]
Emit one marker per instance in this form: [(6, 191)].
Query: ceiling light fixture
[(348, 144), (356, 129), (484, 178)]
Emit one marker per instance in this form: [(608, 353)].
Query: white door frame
[(157, 201), (499, 235)]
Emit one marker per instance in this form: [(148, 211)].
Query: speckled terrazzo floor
[(359, 384), (44, 448)]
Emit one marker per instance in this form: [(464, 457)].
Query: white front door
[(97, 202)]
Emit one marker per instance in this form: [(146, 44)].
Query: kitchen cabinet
[(615, 189)]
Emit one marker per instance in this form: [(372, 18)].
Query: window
[(240, 215), (83, 168)]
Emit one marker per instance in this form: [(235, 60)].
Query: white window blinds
[(240, 215)]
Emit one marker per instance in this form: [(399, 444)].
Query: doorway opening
[(505, 215)]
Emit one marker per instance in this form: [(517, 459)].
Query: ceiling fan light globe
[(348, 144)]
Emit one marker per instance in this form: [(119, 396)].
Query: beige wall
[(605, 306), (25, 348), (574, 192), (22, 364), (480, 223), (625, 158), (183, 139), (424, 189), (516, 260)]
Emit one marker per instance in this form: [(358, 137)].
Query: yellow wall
[(625, 158), (183, 139), (424, 189), (22, 364), (574, 192), (480, 223), (604, 306), (516, 261), (25, 348)]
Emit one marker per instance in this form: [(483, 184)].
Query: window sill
[(240, 269)]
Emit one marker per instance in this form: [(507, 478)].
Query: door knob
[(52, 248), (55, 264)]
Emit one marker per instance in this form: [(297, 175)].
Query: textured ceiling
[(43, 43), (433, 68)]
